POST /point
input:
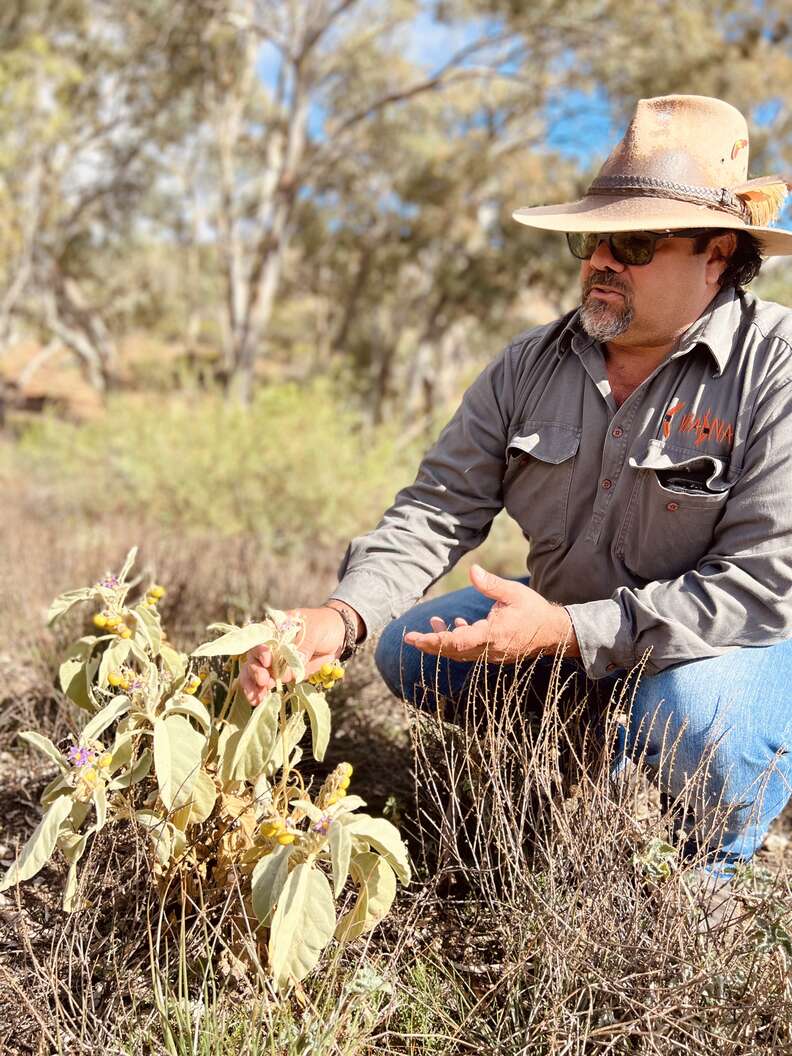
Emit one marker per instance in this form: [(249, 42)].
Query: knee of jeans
[(389, 657)]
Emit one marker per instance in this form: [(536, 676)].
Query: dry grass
[(530, 928)]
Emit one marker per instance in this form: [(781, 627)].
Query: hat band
[(720, 198)]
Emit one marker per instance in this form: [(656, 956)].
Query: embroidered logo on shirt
[(668, 417), (706, 426)]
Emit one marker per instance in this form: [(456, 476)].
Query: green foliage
[(295, 470), (225, 798)]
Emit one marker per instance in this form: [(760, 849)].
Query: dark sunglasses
[(628, 247)]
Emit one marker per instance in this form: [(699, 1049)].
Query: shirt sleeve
[(739, 594), (446, 512)]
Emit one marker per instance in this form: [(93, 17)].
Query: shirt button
[(617, 432), (672, 507), (607, 484)]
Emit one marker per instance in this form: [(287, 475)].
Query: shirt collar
[(716, 330)]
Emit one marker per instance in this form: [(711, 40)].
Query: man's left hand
[(520, 623)]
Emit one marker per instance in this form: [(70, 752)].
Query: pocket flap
[(552, 442), (708, 469)]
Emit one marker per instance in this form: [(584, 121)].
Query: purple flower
[(110, 581), (80, 756), (322, 825)]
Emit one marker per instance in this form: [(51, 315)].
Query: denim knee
[(396, 661)]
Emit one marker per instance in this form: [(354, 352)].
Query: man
[(643, 444)]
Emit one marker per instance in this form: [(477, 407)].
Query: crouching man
[(642, 443)]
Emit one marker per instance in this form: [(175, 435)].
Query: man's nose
[(602, 258)]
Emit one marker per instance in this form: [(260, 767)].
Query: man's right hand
[(321, 641)]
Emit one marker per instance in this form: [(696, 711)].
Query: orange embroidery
[(707, 427), (668, 417)]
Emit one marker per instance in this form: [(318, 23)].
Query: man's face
[(648, 304)]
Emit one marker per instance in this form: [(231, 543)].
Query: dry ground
[(507, 968)]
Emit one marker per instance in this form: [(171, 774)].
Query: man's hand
[(321, 640), (520, 623)]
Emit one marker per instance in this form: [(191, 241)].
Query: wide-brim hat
[(683, 163)]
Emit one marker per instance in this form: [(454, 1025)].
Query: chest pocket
[(540, 462), (678, 498)]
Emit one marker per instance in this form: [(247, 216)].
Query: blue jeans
[(715, 732)]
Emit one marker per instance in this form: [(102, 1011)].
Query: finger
[(253, 692), (255, 681), (437, 623), (261, 654), (460, 621), (260, 675), (487, 583), (451, 643)]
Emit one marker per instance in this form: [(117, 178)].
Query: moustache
[(607, 281)]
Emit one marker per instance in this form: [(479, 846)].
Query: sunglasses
[(628, 247)]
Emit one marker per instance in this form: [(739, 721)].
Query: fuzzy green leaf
[(45, 745), (131, 777), (314, 702), (236, 721), (150, 626), (185, 704), (257, 740), (292, 656), (285, 744), (129, 561), (302, 926), (377, 889), (73, 675), (178, 750), (38, 850), (100, 802), (112, 659), (66, 601), (202, 798), (238, 641), (267, 882), (174, 661), (385, 838), (109, 714), (340, 853)]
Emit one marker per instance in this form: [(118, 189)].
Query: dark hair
[(745, 261)]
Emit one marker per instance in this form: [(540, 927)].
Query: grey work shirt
[(664, 524)]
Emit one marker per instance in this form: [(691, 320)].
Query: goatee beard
[(600, 319)]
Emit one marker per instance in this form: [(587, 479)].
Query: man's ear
[(719, 250)]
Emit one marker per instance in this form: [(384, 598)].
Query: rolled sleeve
[(446, 512)]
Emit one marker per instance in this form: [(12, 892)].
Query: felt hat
[(683, 163)]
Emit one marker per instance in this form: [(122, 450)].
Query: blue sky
[(580, 124)]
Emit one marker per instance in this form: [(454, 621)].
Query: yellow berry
[(286, 838), (326, 670), (100, 620), (115, 679), (124, 632), (344, 784), (193, 684), (331, 800), (156, 591), (271, 828), (346, 769), (105, 760), (112, 621)]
